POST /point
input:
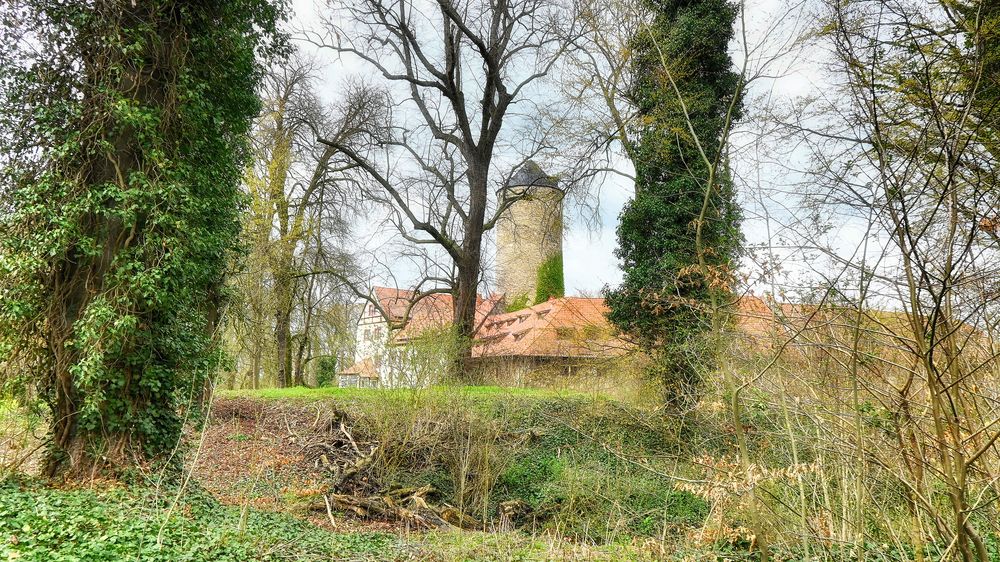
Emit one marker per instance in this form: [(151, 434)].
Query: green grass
[(328, 392), (581, 470), (513, 546)]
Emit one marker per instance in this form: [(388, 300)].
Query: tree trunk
[(281, 266), (304, 337), (80, 277), (299, 362), (282, 338), (470, 267), (213, 309), (258, 352), (66, 406)]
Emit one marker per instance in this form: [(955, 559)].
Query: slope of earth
[(475, 473)]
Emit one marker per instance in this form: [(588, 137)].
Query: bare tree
[(601, 75), (297, 218), (456, 71), (919, 163), (896, 374)]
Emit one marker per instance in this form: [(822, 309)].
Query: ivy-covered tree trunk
[(281, 266), (121, 225), (679, 236), (112, 151)]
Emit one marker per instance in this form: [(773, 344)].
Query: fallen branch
[(408, 505)]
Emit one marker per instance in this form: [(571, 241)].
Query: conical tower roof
[(531, 175)]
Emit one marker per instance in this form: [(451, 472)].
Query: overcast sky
[(588, 250)]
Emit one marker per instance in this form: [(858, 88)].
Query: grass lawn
[(327, 392)]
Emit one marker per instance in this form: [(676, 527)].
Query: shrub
[(326, 371), (557, 455)]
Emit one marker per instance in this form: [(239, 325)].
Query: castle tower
[(529, 239)]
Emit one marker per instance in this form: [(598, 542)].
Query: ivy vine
[(121, 205)]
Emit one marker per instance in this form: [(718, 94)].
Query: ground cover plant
[(542, 472), (470, 473), (137, 523), (267, 484)]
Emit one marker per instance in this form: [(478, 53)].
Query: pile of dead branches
[(325, 439), (351, 490), (409, 505)]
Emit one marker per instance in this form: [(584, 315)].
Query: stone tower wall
[(528, 234)]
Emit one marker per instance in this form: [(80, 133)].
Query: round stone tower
[(529, 239)]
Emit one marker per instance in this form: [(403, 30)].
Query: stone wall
[(528, 234)]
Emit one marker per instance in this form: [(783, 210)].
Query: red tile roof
[(578, 327), (757, 318), (433, 311), (561, 327), (364, 368), (767, 323)]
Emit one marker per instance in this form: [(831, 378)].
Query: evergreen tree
[(663, 300), (126, 137)]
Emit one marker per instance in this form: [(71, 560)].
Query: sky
[(589, 245)]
